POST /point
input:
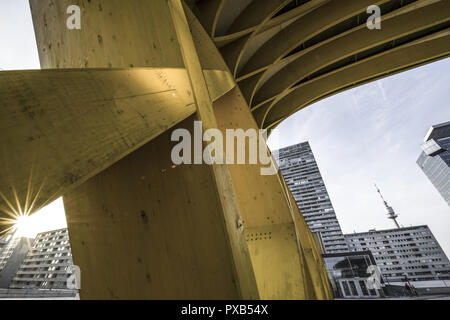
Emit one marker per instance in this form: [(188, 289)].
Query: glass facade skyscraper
[(299, 168), (435, 158)]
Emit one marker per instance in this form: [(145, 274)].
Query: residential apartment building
[(411, 253), (301, 173), (2, 244), (11, 258), (46, 266), (4, 238)]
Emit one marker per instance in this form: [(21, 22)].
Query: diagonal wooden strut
[(245, 280), (61, 127)]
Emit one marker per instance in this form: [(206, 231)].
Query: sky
[(370, 134), (19, 52)]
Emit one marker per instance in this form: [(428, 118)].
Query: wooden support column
[(143, 228), (274, 236), (146, 229), (314, 265), (223, 182), (276, 254)]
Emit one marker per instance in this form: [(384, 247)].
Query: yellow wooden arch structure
[(94, 126)]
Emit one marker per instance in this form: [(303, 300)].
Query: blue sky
[(18, 44), (370, 134)]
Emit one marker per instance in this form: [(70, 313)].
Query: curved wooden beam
[(209, 13), (261, 112), (286, 40), (206, 49), (257, 13), (403, 23), (410, 55), (268, 71), (247, 86), (295, 13)]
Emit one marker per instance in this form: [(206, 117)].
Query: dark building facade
[(350, 274), (301, 173), (4, 238), (435, 158), (11, 258), (2, 244)]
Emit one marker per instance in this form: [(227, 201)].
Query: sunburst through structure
[(17, 211)]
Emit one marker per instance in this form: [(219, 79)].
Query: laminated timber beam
[(243, 272), (277, 255), (209, 13), (396, 25), (295, 34), (62, 127), (315, 267), (256, 13), (276, 52), (144, 228), (264, 25), (179, 246), (413, 54)]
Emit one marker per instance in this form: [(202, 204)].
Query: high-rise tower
[(390, 212), (299, 168)]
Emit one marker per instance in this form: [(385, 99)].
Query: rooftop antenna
[(390, 212)]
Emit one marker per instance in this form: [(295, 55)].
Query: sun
[(23, 226), (51, 217), (22, 222)]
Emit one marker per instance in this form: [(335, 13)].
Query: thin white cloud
[(373, 134)]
